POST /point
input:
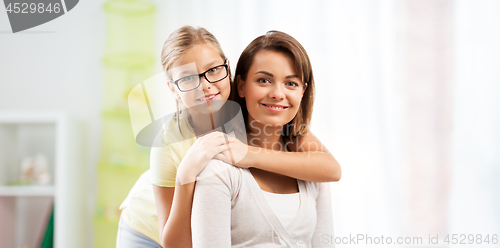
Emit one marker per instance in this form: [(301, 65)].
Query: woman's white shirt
[(284, 206), (230, 210)]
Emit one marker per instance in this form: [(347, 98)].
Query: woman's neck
[(265, 136), (269, 137)]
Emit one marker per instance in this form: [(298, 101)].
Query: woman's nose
[(277, 92)]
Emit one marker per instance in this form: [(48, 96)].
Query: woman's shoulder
[(220, 169), (218, 172)]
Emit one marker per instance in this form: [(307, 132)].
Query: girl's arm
[(173, 204), (309, 161), (174, 214)]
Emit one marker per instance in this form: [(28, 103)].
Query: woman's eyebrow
[(265, 72), (271, 75)]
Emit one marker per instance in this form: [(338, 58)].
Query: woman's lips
[(274, 108)]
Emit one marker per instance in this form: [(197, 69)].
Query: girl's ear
[(171, 86), (240, 85)]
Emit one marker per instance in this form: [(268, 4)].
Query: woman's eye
[(263, 80), (293, 84)]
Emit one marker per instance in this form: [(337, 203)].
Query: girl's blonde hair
[(178, 44), (182, 40)]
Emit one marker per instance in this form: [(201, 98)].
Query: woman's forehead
[(272, 61)]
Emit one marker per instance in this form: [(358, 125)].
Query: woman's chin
[(270, 122)]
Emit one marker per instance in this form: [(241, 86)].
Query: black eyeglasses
[(212, 75)]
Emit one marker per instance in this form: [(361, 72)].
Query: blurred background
[(407, 100)]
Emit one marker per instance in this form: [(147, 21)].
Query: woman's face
[(199, 59), (272, 90)]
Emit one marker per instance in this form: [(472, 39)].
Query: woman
[(188, 149), (253, 207)]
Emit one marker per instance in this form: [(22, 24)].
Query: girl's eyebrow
[(192, 72), (187, 73), (213, 63)]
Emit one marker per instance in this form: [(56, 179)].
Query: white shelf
[(28, 190), (24, 209)]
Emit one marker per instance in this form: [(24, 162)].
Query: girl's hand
[(238, 155), (197, 157)]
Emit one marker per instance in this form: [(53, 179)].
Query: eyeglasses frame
[(203, 74)]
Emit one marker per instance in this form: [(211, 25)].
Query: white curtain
[(475, 189), (412, 165)]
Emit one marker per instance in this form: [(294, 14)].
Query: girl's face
[(272, 90), (199, 59)]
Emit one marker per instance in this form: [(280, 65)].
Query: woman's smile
[(274, 107)]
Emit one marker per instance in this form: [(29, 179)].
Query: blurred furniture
[(25, 207)]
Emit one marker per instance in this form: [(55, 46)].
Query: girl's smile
[(209, 98)]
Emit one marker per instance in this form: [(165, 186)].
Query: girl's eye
[(215, 69), (187, 79)]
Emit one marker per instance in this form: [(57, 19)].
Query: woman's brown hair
[(280, 42)]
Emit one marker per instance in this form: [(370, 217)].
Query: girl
[(253, 207), (175, 166)]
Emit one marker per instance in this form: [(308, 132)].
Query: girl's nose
[(205, 84)]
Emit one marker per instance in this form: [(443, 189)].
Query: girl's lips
[(274, 108), (210, 98)]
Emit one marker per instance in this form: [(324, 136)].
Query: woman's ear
[(171, 86), (240, 85), (305, 88)]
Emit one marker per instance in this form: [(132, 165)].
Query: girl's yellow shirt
[(139, 209)]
